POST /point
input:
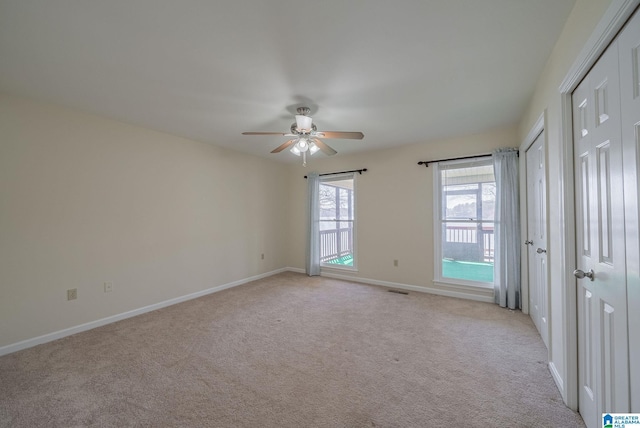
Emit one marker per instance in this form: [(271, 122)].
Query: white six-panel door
[(536, 242), (629, 52), (603, 371)]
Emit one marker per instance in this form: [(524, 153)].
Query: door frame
[(531, 137), (605, 31), (537, 129)]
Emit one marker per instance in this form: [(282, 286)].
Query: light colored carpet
[(292, 351)]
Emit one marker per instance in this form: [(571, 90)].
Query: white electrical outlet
[(262, 256), (395, 262), (108, 287), (72, 294)]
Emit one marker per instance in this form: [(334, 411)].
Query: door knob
[(541, 250), (528, 242), (581, 274)]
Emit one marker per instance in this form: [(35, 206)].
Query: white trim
[(555, 375), (19, 346), (328, 267), (465, 284), (607, 28), (438, 279), (531, 137), (566, 202), (458, 292), (480, 294), (354, 237), (536, 131), (454, 291)]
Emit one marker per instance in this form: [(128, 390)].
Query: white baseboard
[(15, 347), (459, 293), (558, 380), (8, 349)]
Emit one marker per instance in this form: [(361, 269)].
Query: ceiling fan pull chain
[(304, 158)]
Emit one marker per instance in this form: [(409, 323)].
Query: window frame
[(340, 177), (438, 193)]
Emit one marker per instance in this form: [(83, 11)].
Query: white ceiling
[(402, 72)]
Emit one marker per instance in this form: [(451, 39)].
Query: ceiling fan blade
[(343, 135), (283, 146), (271, 133), (325, 149), (263, 133)]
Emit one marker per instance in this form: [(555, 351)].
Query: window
[(464, 243), (337, 221)]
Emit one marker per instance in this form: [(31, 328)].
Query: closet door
[(537, 236), (629, 52), (603, 368)]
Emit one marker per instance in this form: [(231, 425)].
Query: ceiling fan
[(306, 137)]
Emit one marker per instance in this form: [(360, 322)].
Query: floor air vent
[(397, 291)]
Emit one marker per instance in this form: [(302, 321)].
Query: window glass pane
[(337, 215), (468, 209), (345, 201), (488, 201), (461, 202), (327, 202), (467, 271), (326, 225)]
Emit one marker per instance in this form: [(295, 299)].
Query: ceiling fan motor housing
[(295, 130)]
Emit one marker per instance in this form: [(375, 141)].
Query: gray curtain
[(313, 225), (506, 268)]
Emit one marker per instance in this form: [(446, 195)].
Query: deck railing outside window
[(335, 244), (471, 236)]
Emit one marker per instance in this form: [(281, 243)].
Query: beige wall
[(581, 23), (84, 200), (394, 205)]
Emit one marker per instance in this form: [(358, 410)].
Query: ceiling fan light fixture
[(303, 122), (299, 147), (303, 146), (313, 148), (305, 137)]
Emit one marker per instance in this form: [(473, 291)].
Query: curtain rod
[(426, 163), (359, 171)]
